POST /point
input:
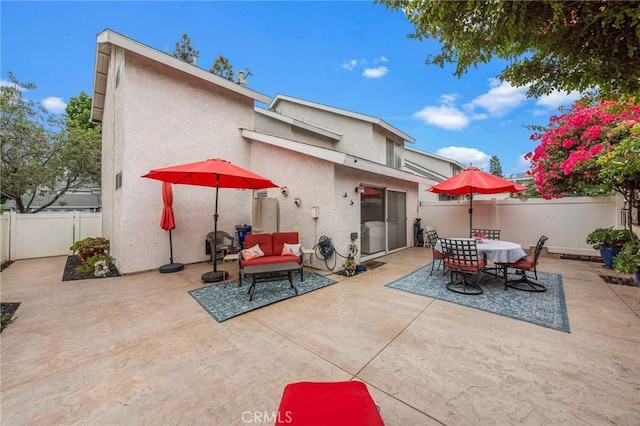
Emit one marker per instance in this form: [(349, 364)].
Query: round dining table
[(498, 251)]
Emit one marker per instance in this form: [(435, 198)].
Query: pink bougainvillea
[(565, 159)]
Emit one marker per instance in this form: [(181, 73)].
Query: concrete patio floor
[(139, 350)]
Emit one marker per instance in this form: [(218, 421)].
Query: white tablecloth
[(496, 250)]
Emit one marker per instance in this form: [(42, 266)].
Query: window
[(118, 180), (393, 154)]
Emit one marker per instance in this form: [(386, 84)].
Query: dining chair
[(524, 265), (432, 238), (461, 256), (489, 234)]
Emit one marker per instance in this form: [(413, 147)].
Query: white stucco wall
[(323, 184), (358, 137), (165, 117)]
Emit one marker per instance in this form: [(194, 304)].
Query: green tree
[(494, 166), (79, 112), (185, 52), (222, 68), (39, 151), (550, 45)]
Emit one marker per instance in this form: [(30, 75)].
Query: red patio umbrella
[(473, 180), (167, 222), (216, 173)]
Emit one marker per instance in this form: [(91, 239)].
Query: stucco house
[(350, 170)]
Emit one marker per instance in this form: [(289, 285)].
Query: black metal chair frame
[(461, 256), (432, 237), (490, 234), (524, 283)]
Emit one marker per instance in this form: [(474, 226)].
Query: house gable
[(109, 39)]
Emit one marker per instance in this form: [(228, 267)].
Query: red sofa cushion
[(328, 403), (279, 238), (265, 260), (264, 240)]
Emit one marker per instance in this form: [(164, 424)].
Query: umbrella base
[(214, 276), (171, 267)]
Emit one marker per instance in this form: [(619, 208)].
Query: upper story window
[(393, 154)]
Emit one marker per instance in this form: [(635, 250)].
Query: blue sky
[(350, 55)]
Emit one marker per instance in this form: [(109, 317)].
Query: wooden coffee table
[(270, 272)]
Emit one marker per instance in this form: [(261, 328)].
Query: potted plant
[(349, 267), (609, 241), (628, 260)]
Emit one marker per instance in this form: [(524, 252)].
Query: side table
[(310, 252), (232, 257)]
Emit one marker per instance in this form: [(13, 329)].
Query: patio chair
[(220, 247), (328, 403), (432, 239), (461, 256), (524, 265), (490, 234)]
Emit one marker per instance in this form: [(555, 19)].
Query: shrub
[(628, 260), (90, 246), (89, 265)]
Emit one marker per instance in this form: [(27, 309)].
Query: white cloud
[(446, 117), (349, 65), (500, 99), (523, 165), (466, 156), (55, 105), (375, 72), (448, 98), (538, 112), (6, 83), (382, 59), (556, 99)]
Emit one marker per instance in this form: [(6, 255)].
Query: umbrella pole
[(470, 213), (215, 276), (170, 248), (171, 267)]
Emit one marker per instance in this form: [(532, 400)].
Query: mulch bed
[(6, 314), (619, 280), (581, 257), (70, 273)]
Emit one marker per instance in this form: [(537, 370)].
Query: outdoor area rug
[(224, 302), (547, 309)]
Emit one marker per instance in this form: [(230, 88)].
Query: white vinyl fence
[(566, 221), (24, 236)]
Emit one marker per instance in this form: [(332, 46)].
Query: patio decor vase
[(608, 253)]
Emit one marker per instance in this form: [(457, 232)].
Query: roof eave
[(370, 119)]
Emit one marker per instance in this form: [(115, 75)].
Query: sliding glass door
[(397, 222), (383, 216)]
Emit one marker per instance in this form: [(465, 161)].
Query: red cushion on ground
[(327, 403), (264, 240)]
